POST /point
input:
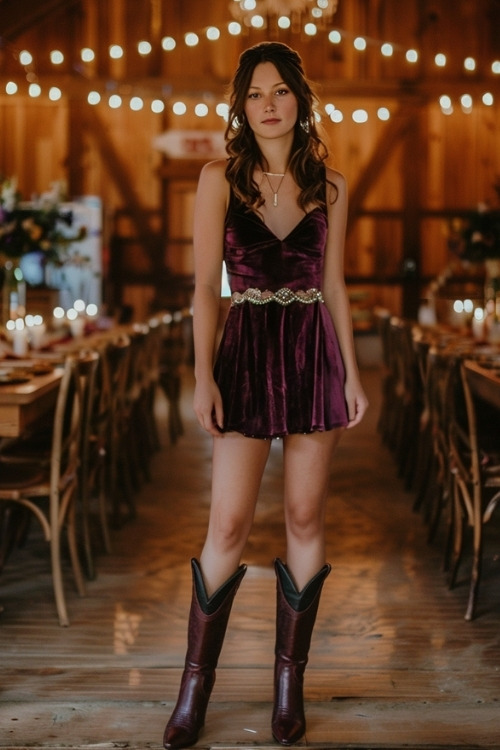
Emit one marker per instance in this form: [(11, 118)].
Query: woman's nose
[(269, 106)]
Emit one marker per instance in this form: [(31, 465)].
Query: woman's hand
[(356, 400), (207, 404)]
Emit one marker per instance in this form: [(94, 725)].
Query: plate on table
[(41, 368), (13, 377)]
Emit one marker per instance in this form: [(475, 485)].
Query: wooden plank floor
[(393, 664)]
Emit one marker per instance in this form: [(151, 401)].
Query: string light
[(191, 39), (144, 48), (87, 54), (359, 43), (201, 110), (179, 108), (234, 28), (116, 52), (212, 33), (360, 115), (56, 57), (55, 94), (136, 103), (115, 101), (168, 43), (310, 29), (25, 57)]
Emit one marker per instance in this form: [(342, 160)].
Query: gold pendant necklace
[(274, 192)]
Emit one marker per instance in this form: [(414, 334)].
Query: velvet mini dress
[(278, 366)]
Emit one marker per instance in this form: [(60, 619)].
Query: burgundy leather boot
[(295, 618), (206, 630)]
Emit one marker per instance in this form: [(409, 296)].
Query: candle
[(478, 324), (76, 323), (37, 332), (57, 317), (20, 338)]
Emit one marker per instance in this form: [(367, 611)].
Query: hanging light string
[(213, 34)]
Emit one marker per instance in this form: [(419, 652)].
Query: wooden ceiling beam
[(18, 17), (396, 130)]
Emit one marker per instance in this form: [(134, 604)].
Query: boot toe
[(179, 736), (288, 731)]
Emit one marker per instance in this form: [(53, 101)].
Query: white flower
[(8, 194)]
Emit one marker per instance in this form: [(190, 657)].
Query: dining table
[(28, 392), (484, 380)]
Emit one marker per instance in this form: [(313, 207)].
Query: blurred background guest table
[(28, 391)]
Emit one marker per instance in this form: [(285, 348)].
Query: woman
[(285, 367)]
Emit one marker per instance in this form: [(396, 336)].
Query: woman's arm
[(335, 294), (208, 240)]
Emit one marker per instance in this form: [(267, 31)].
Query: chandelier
[(296, 15)]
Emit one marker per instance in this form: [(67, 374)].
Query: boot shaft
[(296, 612), (208, 618)]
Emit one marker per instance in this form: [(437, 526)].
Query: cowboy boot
[(208, 619), (295, 618)]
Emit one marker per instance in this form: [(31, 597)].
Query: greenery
[(40, 225)]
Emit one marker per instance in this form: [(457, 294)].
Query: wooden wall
[(406, 175)]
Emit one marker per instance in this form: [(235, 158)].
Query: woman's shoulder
[(336, 193), (334, 177), (213, 180), (215, 170)]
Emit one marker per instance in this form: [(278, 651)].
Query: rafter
[(17, 17), (396, 129)]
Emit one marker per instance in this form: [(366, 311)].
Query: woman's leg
[(238, 464), (237, 467), (307, 462), (307, 465)]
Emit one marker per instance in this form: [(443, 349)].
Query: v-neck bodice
[(255, 257)]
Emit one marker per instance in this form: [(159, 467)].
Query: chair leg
[(458, 533), (477, 554)]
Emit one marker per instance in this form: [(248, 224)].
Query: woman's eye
[(281, 92), (253, 95)]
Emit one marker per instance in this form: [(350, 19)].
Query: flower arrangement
[(40, 225), (475, 237)]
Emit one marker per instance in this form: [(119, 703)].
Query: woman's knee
[(305, 520), (229, 531)]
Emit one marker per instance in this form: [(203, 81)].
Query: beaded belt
[(283, 296)]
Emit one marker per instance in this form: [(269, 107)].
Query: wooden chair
[(405, 404), (119, 490), (48, 488), (424, 457), (94, 431), (171, 359), (435, 499), (475, 450)]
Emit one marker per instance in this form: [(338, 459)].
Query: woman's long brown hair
[(308, 152)]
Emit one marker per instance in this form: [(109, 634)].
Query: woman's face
[(271, 108)]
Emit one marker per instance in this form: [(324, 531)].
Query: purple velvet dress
[(278, 367)]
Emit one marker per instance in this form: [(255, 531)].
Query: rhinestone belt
[(283, 296)]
